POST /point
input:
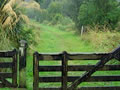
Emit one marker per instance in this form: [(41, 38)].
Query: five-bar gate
[(102, 58)]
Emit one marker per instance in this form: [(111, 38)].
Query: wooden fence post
[(35, 72), (64, 70), (14, 69), (22, 64)]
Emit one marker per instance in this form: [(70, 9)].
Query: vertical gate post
[(14, 69), (64, 70), (35, 71), (22, 63)]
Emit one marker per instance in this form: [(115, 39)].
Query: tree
[(54, 9), (99, 12), (71, 9)]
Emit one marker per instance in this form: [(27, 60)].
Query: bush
[(54, 10), (56, 19), (66, 23), (46, 22)]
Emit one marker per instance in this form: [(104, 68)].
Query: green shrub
[(46, 22), (54, 11), (56, 19), (66, 21), (66, 24)]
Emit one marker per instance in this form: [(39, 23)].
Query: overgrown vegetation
[(11, 24), (102, 39), (83, 12)]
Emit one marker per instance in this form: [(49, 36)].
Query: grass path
[(55, 40)]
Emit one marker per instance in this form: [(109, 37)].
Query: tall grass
[(102, 38), (11, 23)]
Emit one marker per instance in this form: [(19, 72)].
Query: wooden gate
[(4, 76), (76, 80)]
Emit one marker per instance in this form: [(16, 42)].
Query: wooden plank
[(89, 67), (77, 68), (7, 54), (6, 75), (50, 89), (50, 79), (100, 88), (6, 64), (14, 70), (49, 68), (35, 72), (73, 78), (50, 56), (86, 56), (72, 56), (64, 71)]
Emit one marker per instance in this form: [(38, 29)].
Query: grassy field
[(51, 39)]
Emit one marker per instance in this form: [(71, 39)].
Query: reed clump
[(11, 22)]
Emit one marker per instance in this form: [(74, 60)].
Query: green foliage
[(65, 23), (56, 19), (82, 12), (71, 9), (99, 12), (54, 10), (38, 15)]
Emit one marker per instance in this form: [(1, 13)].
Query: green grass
[(51, 39), (55, 40)]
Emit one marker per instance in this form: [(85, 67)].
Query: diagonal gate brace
[(5, 82), (114, 54)]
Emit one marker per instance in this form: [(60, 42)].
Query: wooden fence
[(76, 80), (12, 65)]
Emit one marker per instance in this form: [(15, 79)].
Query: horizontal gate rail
[(6, 75), (73, 78), (77, 68), (71, 56), (7, 54), (6, 64), (65, 68)]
